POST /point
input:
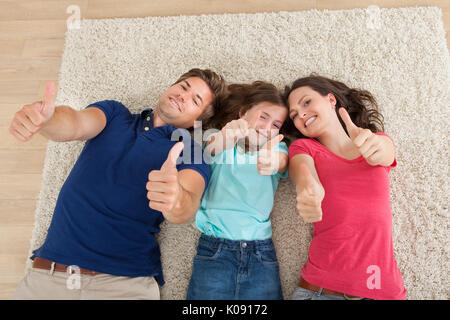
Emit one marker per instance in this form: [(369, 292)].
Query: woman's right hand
[(310, 197)]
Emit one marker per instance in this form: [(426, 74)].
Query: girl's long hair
[(241, 98), (360, 104)]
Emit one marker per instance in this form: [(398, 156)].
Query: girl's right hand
[(309, 199), (238, 129)]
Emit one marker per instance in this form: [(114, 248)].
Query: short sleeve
[(394, 163), (282, 147), (300, 146), (196, 161), (110, 108)]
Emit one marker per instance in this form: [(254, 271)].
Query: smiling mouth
[(174, 104), (310, 120)]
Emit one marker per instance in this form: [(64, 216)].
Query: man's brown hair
[(217, 85)]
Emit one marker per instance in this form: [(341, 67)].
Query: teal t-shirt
[(238, 201)]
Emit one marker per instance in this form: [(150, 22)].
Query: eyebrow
[(299, 101), (189, 85)]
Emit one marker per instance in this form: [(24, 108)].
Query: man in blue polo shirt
[(101, 241)]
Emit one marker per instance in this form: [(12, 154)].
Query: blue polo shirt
[(102, 219)]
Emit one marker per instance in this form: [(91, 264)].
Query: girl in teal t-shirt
[(235, 257)]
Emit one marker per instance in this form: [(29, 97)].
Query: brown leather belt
[(306, 285), (45, 264)]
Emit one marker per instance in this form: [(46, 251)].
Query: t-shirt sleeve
[(300, 146), (394, 163), (195, 160), (110, 108), (282, 147)]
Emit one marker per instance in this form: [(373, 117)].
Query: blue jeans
[(305, 294), (235, 270)]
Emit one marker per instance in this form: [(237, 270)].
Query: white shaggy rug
[(400, 55)]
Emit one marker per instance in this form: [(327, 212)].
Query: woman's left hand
[(368, 143)]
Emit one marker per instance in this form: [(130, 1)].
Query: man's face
[(182, 103)]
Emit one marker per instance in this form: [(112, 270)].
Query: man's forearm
[(62, 126), (186, 207)]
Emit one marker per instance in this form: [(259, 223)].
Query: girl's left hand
[(268, 158), (368, 143)]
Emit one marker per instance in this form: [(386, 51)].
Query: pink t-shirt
[(352, 250)]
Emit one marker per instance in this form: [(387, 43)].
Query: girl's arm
[(230, 134)]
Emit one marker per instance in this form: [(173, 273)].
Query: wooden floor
[(31, 44)]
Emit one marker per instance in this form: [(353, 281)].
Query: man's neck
[(157, 121)]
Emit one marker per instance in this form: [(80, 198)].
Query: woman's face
[(310, 111), (268, 125)]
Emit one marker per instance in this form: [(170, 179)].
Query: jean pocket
[(302, 294), (208, 252), (267, 257)]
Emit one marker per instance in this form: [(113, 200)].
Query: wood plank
[(32, 29), (18, 235), (20, 186), (22, 161), (38, 48), (100, 9), (13, 10), (37, 142), (11, 48), (29, 68), (17, 212), (351, 4), (19, 92)]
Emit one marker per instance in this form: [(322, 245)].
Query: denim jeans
[(235, 270), (305, 294)]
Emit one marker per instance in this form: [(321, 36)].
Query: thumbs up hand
[(368, 143), (163, 186), (239, 129), (30, 119), (309, 199), (268, 158)]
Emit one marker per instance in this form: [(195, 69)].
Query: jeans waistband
[(266, 244)]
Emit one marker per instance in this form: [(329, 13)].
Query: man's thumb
[(174, 153), (49, 97)]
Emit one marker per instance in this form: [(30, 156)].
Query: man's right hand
[(30, 119), (309, 199)]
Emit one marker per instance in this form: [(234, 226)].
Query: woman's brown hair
[(360, 104)]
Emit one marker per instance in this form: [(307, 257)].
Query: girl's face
[(311, 112), (268, 125)]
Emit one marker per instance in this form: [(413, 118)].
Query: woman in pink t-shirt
[(340, 167)]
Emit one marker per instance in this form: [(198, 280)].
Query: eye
[(196, 103), (307, 102), (183, 87), (277, 126), (293, 116)]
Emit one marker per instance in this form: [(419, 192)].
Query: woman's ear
[(332, 100)]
